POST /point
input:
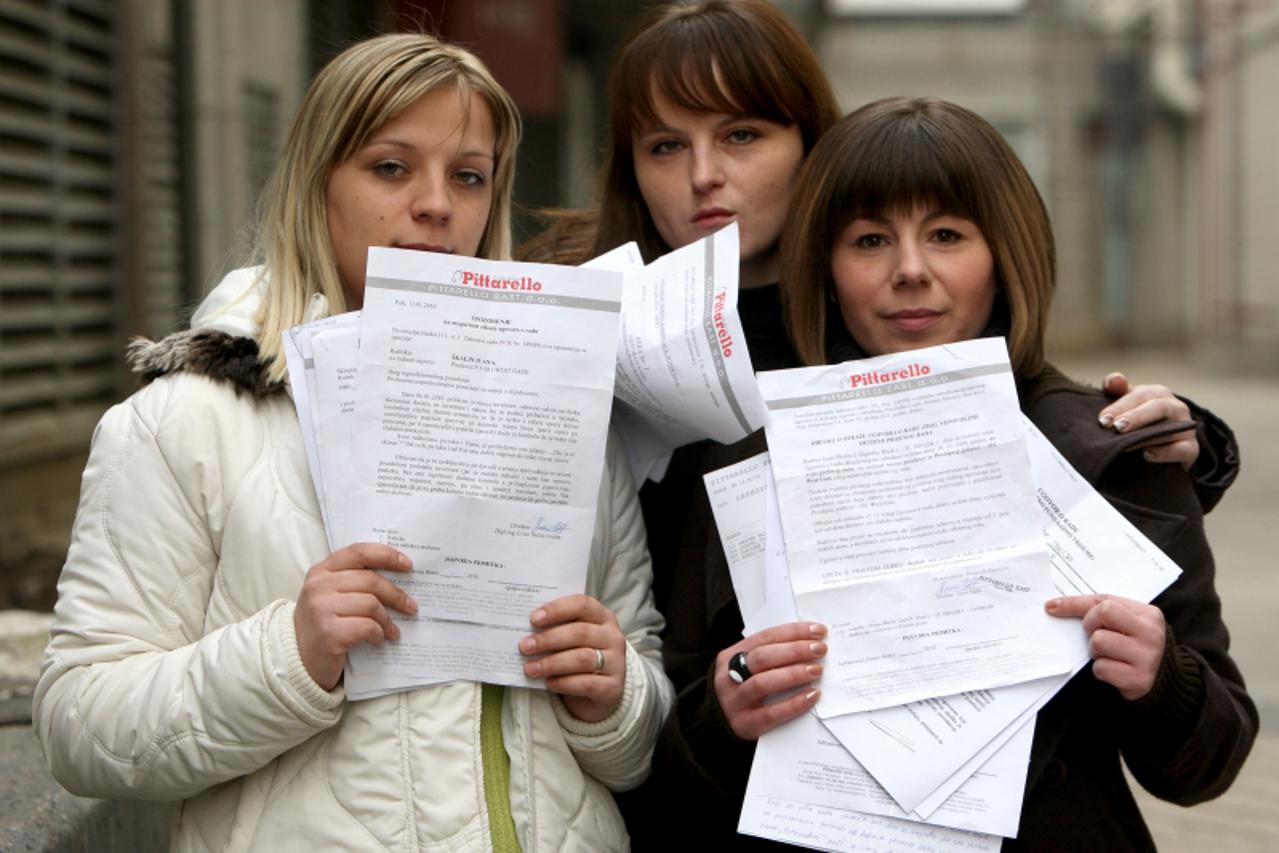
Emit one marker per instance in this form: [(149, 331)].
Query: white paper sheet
[(910, 523), (299, 359), (483, 394), (822, 828), (334, 356), (800, 762), (920, 751), (683, 371)]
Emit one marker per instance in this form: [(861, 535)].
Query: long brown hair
[(740, 57), (897, 153)]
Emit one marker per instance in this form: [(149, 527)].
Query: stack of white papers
[(461, 417), (893, 510)]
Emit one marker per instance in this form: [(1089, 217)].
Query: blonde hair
[(897, 153), (365, 86)]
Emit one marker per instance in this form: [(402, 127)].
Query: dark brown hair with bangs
[(890, 156), (739, 57)]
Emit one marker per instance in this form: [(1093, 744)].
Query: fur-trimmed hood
[(205, 352), (221, 343)]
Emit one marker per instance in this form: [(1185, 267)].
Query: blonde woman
[(202, 624)]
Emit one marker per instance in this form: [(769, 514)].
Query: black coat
[(1185, 742)]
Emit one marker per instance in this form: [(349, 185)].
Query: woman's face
[(698, 172), (423, 181), (913, 279)]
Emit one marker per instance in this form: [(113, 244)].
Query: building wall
[(249, 67), (1259, 214)]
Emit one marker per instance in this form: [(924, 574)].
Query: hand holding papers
[(804, 786), (482, 397), (917, 750), (911, 525), (959, 760)]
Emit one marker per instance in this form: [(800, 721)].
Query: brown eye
[(389, 168)]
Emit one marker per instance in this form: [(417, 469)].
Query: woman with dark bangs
[(713, 108), (916, 225)]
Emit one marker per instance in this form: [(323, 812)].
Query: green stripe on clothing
[(497, 771)]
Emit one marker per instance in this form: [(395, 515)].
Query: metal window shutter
[(60, 306)]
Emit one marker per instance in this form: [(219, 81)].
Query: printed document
[(800, 763), (916, 751), (482, 396), (683, 372), (300, 360), (911, 527)]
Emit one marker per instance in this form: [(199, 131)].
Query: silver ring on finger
[(599, 660), (737, 668)]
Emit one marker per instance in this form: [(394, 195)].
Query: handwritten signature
[(960, 586), (544, 526)]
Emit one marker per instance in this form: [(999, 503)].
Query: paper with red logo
[(911, 524), (483, 394), (683, 372)]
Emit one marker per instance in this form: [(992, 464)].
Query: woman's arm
[(1187, 737), (617, 749), (136, 698)]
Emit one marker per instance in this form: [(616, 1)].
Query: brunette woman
[(713, 108), (916, 225)]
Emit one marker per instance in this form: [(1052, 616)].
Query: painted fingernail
[(1121, 424), (814, 670), (533, 670), (538, 617), (1106, 420), (818, 649), (817, 630), (812, 696), (528, 644)]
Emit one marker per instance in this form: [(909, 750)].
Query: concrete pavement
[(1242, 530)]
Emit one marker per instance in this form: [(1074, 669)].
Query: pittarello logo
[(721, 330), (875, 377), (478, 279)]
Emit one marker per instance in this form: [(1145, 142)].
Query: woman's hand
[(779, 659), (1125, 639), (584, 655), (343, 602), (1145, 405)]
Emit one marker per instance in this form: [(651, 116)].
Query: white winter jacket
[(173, 669)]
